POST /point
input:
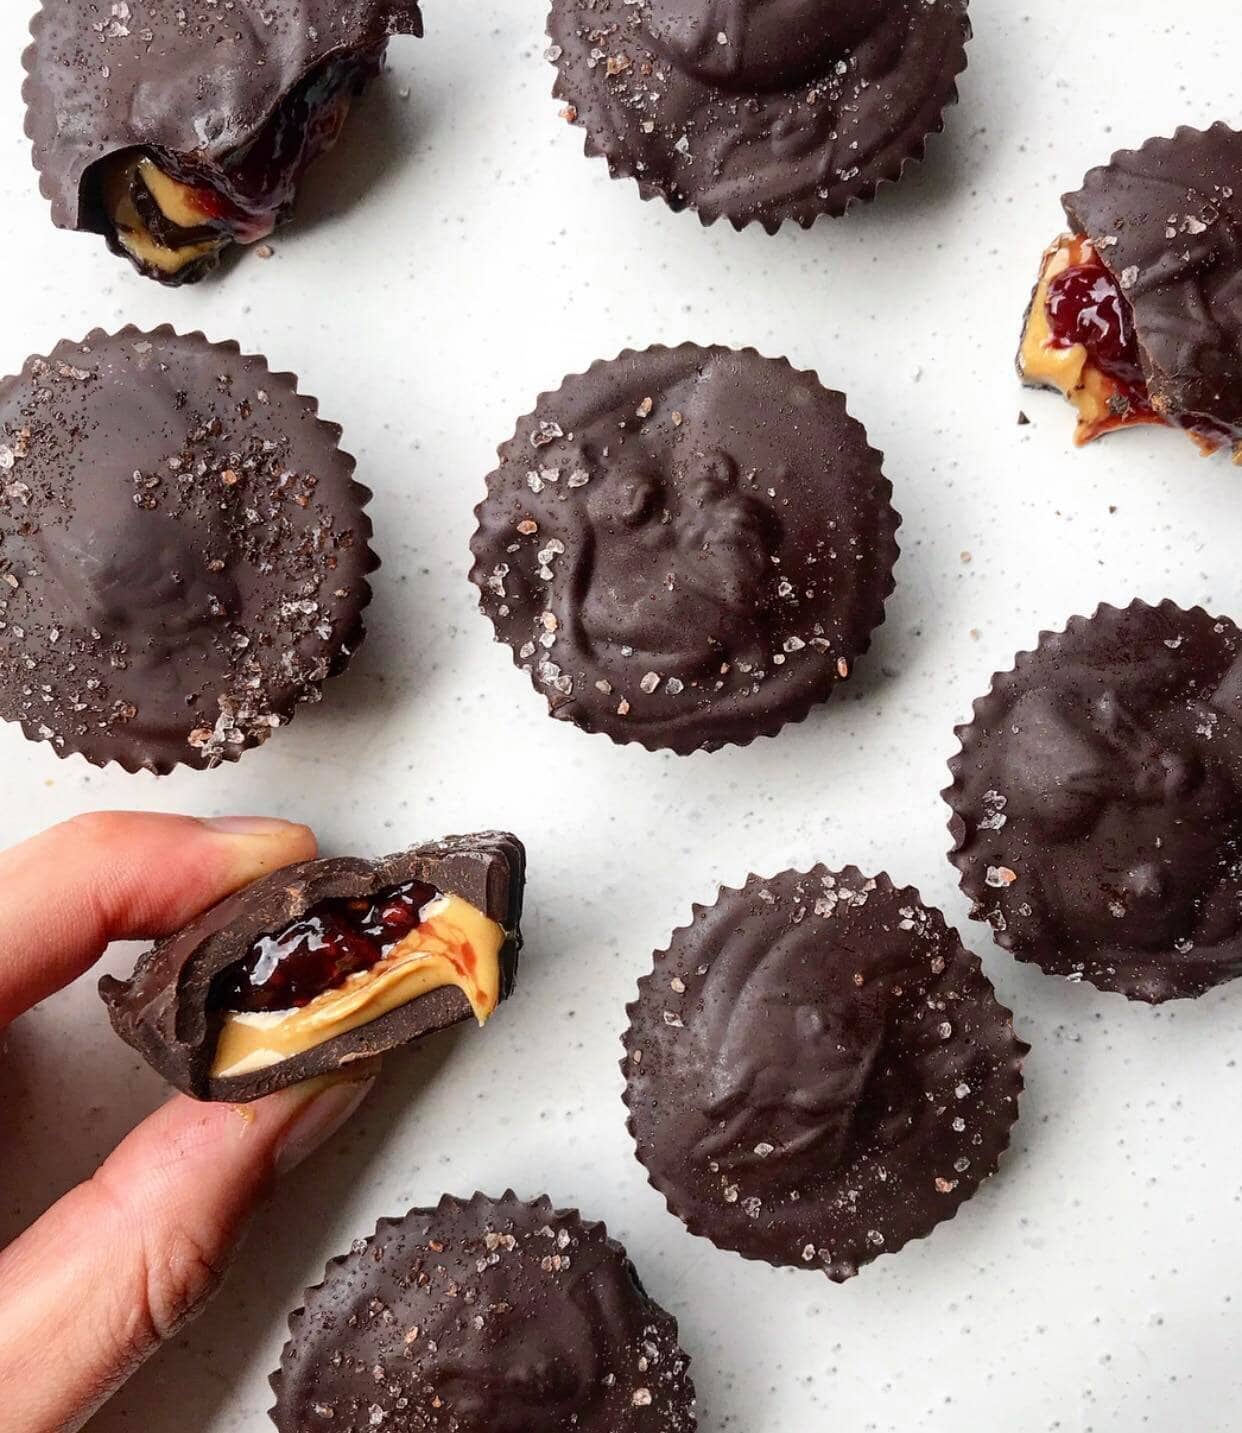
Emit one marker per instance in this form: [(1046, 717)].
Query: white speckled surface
[(456, 256)]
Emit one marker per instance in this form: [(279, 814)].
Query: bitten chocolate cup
[(183, 550), (1097, 802), (486, 1316), (327, 963), (687, 547), (758, 111), (1135, 315), (818, 1071), (176, 131)]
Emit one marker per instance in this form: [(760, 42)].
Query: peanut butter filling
[(1103, 404), (176, 201), (455, 945)]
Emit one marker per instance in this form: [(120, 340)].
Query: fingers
[(123, 1261), (115, 875)]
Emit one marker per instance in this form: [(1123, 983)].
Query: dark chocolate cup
[(147, 622), (88, 98), (162, 1010), (753, 147), (1097, 802), (588, 1345), (795, 640), (1163, 219), (811, 1104)]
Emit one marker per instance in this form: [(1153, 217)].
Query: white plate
[(1094, 1284)]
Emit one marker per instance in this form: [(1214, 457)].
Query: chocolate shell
[(818, 1071), (1164, 219), (686, 547), (197, 81), (183, 550), (492, 1316), (163, 1009), (758, 110), (1097, 802)]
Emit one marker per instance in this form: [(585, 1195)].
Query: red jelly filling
[(318, 952), (1086, 306)]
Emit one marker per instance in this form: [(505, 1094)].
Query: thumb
[(126, 1259), (117, 875)]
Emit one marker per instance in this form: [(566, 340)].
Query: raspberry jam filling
[(335, 940), (1086, 306), (347, 963), (174, 215), (1080, 338)]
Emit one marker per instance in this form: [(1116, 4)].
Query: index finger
[(64, 895)]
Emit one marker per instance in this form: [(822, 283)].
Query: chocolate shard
[(687, 547), (1097, 802), (167, 1012), (818, 1071), (234, 100), (484, 1316), (184, 550), (1166, 221), (758, 112)]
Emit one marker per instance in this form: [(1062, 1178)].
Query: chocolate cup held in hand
[(758, 110), (327, 963), (818, 1071), (686, 547), (1135, 315), (487, 1316), (177, 131), (1097, 802), (183, 550)]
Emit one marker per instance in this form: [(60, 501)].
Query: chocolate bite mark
[(487, 1316), (686, 547), (345, 964), (818, 1071), (758, 110), (1162, 224), (184, 549), (1097, 802), (126, 148), (180, 1009)]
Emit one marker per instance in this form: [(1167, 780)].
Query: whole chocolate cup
[(183, 550), (1097, 802), (188, 80), (1164, 219), (487, 1316), (758, 111), (818, 1071), (686, 547), (162, 1010)]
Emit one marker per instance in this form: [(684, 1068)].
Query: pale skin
[(124, 1261)]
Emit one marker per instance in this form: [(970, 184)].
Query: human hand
[(122, 1262)]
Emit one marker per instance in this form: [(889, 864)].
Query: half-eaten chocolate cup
[(326, 963), (1135, 316), (176, 132)]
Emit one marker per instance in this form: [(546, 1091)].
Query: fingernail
[(249, 826), (254, 846), (327, 1105)]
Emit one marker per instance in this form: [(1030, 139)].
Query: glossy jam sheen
[(1086, 306), (334, 940)]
